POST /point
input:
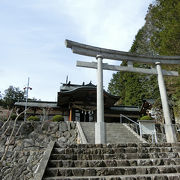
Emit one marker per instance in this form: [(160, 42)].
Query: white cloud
[(33, 32), (111, 24)]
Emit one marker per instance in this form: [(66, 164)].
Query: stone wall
[(27, 148)]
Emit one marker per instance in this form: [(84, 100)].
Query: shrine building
[(78, 103)]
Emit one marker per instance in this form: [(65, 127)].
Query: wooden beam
[(93, 51), (124, 68)]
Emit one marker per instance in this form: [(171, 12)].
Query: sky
[(33, 33)]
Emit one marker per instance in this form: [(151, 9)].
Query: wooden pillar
[(81, 116), (34, 111), (70, 114), (87, 116)]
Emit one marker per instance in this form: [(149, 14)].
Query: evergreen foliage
[(12, 95), (166, 18), (166, 41), (159, 36), (133, 87)]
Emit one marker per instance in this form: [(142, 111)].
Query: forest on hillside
[(160, 35)]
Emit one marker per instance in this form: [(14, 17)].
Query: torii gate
[(99, 54)]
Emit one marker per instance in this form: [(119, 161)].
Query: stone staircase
[(115, 133), (131, 161)]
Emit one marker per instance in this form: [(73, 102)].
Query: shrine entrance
[(100, 54), (84, 116)]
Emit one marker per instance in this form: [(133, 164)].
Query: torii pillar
[(169, 129), (100, 135)]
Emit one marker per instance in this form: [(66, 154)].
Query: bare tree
[(11, 135)]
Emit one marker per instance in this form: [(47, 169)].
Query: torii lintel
[(106, 66), (93, 51)]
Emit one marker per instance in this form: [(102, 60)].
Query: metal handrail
[(154, 136), (137, 125), (121, 115)]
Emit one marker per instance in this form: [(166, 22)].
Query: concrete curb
[(81, 135), (44, 161)]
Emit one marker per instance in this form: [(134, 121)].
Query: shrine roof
[(126, 108), (40, 104), (68, 86), (84, 93), (147, 104)]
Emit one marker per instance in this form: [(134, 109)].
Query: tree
[(142, 42), (12, 95), (166, 18), (166, 41), (133, 87), (160, 35)]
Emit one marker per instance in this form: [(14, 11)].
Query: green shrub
[(58, 118), (146, 118), (33, 118)]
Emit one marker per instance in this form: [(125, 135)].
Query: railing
[(136, 124), (138, 128)]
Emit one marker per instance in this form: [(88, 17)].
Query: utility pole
[(26, 90)]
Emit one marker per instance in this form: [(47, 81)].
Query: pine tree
[(166, 41), (159, 36), (134, 87)]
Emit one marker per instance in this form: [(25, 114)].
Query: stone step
[(116, 128), (122, 133), (122, 129), (113, 163), (125, 140), (107, 171), (170, 176), (112, 150), (118, 145), (113, 156), (115, 133), (124, 136), (127, 161)]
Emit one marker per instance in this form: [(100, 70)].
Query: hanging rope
[(84, 108)]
